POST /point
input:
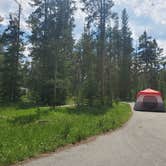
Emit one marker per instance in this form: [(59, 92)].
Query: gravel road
[(142, 142)]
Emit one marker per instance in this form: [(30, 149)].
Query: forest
[(65, 90), (103, 66)]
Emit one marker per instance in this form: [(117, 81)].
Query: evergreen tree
[(1, 57), (149, 54), (63, 48), (162, 76), (126, 50), (13, 47), (86, 69), (113, 50), (52, 43), (99, 13), (136, 73), (1, 63), (38, 22)]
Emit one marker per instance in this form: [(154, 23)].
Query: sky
[(149, 15)]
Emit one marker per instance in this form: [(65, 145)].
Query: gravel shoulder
[(141, 142)]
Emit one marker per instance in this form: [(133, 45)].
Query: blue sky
[(149, 15)]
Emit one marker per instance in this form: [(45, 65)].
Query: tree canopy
[(101, 67)]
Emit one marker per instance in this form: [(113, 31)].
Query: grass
[(30, 132)]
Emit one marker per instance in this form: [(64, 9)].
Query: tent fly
[(149, 100)]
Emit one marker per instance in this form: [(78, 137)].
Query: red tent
[(149, 100), (149, 92)]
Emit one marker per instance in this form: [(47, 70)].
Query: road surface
[(141, 142)]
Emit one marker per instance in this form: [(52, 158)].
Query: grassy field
[(29, 132)]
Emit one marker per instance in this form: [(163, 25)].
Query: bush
[(26, 102)]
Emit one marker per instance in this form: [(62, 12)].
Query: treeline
[(102, 66)]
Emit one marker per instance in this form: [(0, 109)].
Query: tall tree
[(99, 13), (1, 64), (149, 54), (125, 58), (13, 48), (52, 43), (63, 47), (113, 50), (136, 72), (38, 22), (1, 56), (85, 68)]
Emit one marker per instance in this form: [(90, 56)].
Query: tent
[(149, 100)]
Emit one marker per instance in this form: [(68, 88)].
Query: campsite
[(82, 83), (149, 100)]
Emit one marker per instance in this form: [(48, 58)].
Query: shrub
[(26, 102)]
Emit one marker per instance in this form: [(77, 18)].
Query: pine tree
[(1, 64), (125, 58), (13, 47), (1, 58), (149, 54), (135, 73), (99, 13), (113, 50), (52, 43), (85, 62), (63, 48), (38, 22)]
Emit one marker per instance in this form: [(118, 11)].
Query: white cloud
[(152, 8), (79, 21), (10, 6), (147, 15)]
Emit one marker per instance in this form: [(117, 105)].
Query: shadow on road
[(154, 111)]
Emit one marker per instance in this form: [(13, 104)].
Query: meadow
[(26, 133)]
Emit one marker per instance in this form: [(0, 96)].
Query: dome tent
[(149, 100)]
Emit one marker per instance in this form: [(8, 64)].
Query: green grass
[(30, 132)]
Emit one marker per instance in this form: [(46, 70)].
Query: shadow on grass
[(84, 110)]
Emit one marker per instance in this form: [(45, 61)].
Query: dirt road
[(142, 142)]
